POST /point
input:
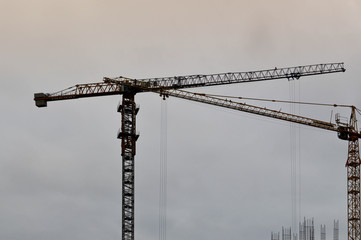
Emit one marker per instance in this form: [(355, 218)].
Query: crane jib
[(113, 86), (345, 133)]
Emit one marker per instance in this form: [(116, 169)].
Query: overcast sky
[(228, 172)]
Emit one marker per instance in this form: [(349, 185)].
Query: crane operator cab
[(343, 127)]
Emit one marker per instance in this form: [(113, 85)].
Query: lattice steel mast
[(130, 87), (129, 137), (353, 181)]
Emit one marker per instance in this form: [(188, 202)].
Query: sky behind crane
[(229, 173)]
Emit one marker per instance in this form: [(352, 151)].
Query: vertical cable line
[(163, 173), (299, 155), (294, 96), (291, 96)]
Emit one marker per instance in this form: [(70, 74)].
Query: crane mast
[(129, 137), (169, 86), (353, 181)]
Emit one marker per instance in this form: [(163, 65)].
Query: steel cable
[(294, 96), (163, 173), (280, 101)]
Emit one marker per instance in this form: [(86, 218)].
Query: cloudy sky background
[(228, 172)]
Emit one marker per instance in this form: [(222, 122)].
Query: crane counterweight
[(40, 100)]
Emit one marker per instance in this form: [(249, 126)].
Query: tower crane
[(170, 86), (345, 131)]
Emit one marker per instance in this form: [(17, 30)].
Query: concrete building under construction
[(306, 231)]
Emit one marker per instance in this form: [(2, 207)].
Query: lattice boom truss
[(250, 109), (113, 86), (238, 77)]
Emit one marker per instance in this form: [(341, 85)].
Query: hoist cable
[(295, 156), (163, 174)]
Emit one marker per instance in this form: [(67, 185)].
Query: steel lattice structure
[(169, 86), (113, 86), (353, 183), (129, 137)]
